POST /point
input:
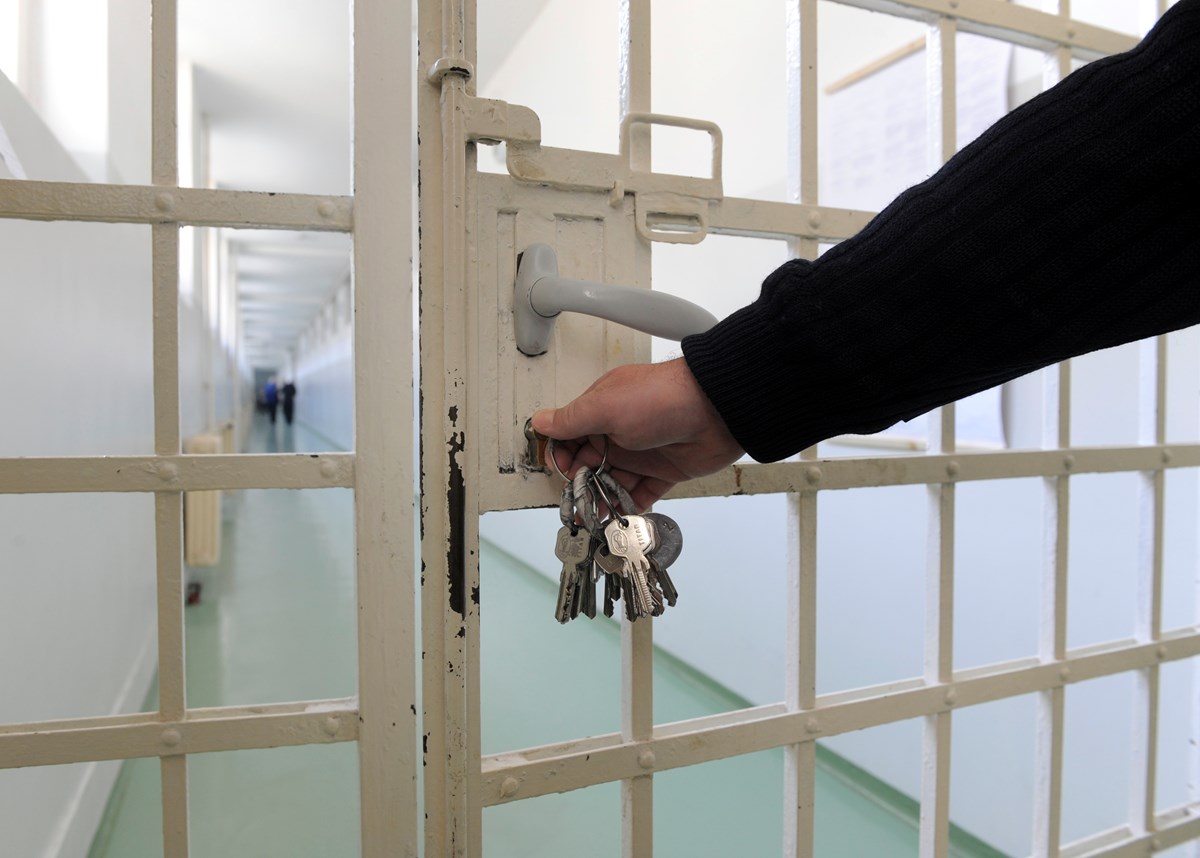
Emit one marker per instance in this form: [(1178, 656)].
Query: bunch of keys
[(602, 534)]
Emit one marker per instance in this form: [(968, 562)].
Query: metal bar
[(176, 473), (383, 419), (164, 169), (69, 201), (571, 765), (637, 639), (1018, 24), (202, 731), (1173, 828)]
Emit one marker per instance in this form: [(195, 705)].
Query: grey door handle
[(541, 295)]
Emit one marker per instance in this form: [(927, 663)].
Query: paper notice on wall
[(8, 155)]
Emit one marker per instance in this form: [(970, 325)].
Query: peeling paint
[(456, 506)]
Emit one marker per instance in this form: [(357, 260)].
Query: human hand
[(661, 428)]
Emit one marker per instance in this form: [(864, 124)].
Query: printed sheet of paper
[(874, 144)]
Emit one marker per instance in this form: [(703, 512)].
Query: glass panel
[(1102, 558), (1178, 732), (872, 108), (540, 682), (584, 823), (733, 645), (1097, 727), (275, 801), (998, 565), (558, 58), (868, 782), (265, 96), (1105, 397), (52, 810), (726, 807), (727, 67), (992, 777), (1180, 606), (77, 605), (871, 549), (78, 324), (275, 619)]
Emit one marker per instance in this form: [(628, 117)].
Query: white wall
[(77, 593)]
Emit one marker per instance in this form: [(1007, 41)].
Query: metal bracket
[(668, 207)]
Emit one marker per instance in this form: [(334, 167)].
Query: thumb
[(577, 419)]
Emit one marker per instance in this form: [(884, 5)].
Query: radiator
[(202, 511)]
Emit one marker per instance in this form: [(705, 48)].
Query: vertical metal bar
[(1053, 623), (164, 171), (637, 639), (449, 498), (934, 834), (383, 418), (803, 170), (1148, 623)]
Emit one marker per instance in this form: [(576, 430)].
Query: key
[(663, 581), (668, 539), (571, 548), (630, 538)]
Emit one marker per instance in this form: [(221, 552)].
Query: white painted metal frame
[(460, 482), (380, 218)]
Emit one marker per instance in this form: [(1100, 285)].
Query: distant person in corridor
[(271, 398), (288, 399), (1069, 226)]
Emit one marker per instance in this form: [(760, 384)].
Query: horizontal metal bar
[(826, 474), (176, 473), (1018, 24), (74, 201), (523, 491), (233, 728), (523, 774), (1172, 828), (772, 219)]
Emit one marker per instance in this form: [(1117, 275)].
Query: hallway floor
[(276, 623)]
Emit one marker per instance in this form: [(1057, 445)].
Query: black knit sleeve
[(1069, 226)]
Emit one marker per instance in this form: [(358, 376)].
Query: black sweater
[(1070, 225)]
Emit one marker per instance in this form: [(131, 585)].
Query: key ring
[(608, 501), (554, 462)]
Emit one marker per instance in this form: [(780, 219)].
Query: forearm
[(1067, 227)]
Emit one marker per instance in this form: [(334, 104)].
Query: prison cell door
[(603, 214)]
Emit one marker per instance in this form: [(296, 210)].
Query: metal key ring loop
[(608, 501), (554, 462)]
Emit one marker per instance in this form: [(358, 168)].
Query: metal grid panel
[(383, 718), (641, 748)]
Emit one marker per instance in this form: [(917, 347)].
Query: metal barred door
[(603, 214)]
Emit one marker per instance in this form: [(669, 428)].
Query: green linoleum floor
[(277, 622)]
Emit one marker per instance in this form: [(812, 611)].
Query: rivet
[(168, 471), (953, 4), (952, 469), (646, 759), (1068, 461), (325, 208), (171, 737), (812, 474), (1070, 32), (812, 725), (331, 725), (1166, 455), (1064, 673), (1156, 843), (164, 202), (814, 219), (1161, 652), (951, 697), (328, 469), (509, 787)]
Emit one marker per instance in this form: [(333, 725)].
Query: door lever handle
[(541, 295)]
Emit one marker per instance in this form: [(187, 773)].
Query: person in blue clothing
[(271, 398)]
